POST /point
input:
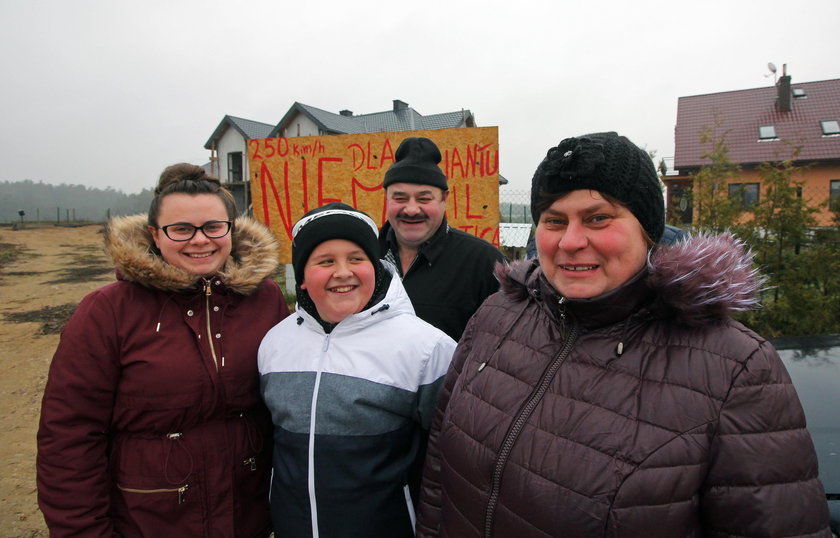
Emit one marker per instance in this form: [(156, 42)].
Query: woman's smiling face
[(199, 255), (588, 245)]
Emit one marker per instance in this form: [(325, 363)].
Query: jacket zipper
[(313, 410), (412, 516), (208, 291), (182, 491), (516, 429)]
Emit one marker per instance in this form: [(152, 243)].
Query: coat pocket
[(144, 509), (164, 493), (158, 491), (251, 467)]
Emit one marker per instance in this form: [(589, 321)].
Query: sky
[(107, 93)]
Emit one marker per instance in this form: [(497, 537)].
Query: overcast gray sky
[(109, 92)]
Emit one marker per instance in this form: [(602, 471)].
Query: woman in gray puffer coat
[(606, 391)]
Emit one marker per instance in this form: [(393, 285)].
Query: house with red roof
[(797, 121)]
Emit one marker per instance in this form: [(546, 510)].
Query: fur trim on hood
[(131, 247), (702, 278)]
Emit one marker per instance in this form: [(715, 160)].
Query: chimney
[(784, 99), (399, 105), (347, 113)]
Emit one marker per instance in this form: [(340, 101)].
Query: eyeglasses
[(213, 229)]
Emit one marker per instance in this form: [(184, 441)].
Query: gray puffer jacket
[(643, 412)]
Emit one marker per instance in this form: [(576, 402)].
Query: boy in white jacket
[(351, 381)]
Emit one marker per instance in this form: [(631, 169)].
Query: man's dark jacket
[(449, 279)]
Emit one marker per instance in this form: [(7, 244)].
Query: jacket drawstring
[(255, 441), (627, 328), (619, 349), (160, 314), (174, 439), (507, 332), (382, 308)]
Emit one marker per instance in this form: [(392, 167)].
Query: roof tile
[(249, 129), (406, 119), (741, 112)]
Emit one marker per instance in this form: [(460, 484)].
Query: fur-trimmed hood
[(129, 243), (700, 279)]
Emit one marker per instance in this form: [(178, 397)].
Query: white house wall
[(300, 125), (231, 142)]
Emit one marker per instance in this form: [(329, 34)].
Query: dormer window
[(830, 127), (766, 132), (798, 93)]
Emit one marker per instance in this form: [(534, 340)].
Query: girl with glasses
[(152, 423)]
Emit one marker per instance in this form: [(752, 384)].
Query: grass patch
[(89, 264), (92, 249), (9, 252), (51, 318), (88, 259), (84, 273), (22, 273)]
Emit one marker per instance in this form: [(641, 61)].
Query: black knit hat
[(607, 163), (416, 161), (333, 221)]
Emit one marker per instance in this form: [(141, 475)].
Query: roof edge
[(756, 88)]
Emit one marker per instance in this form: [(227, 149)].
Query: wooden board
[(290, 176)]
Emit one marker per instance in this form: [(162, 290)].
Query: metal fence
[(515, 206), (57, 215)]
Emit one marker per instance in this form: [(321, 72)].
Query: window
[(766, 132), (235, 166), (747, 193), (830, 127), (799, 93), (834, 195)]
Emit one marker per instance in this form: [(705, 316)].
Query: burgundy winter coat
[(152, 423), (644, 412)]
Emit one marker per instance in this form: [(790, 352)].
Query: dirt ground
[(55, 268)]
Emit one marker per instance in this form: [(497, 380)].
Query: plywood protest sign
[(290, 176)]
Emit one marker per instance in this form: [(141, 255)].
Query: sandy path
[(27, 285)]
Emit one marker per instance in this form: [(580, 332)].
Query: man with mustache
[(447, 272)]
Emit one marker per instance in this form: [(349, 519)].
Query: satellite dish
[(772, 67)]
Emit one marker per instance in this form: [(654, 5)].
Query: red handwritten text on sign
[(290, 176)]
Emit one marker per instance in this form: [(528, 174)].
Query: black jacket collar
[(431, 250)]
